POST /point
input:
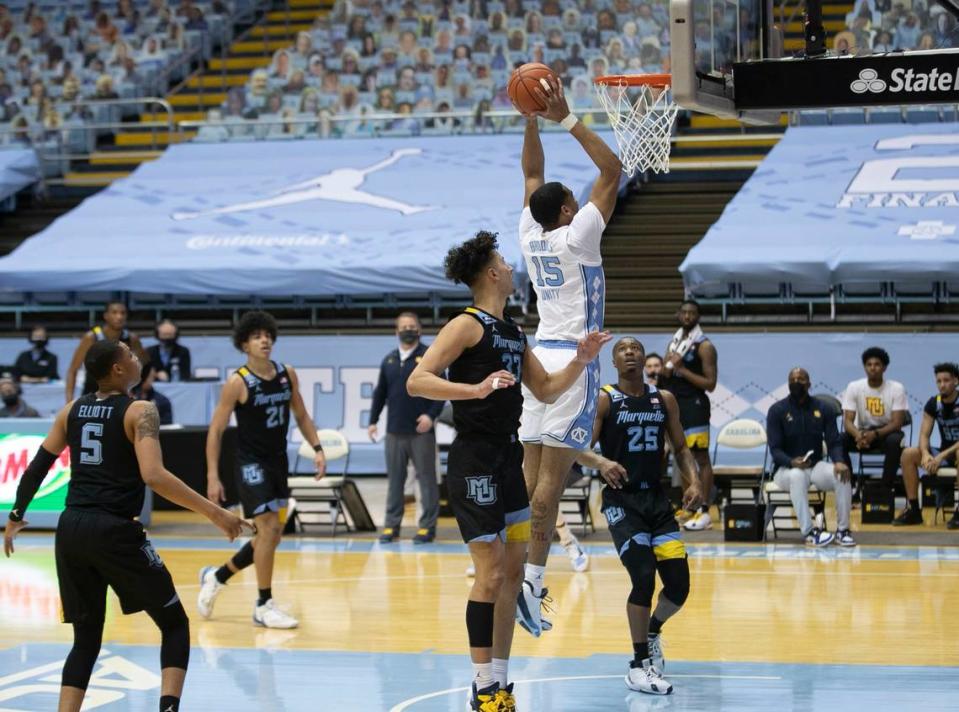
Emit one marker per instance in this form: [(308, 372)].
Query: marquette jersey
[(263, 421), (946, 416), (692, 362), (502, 347), (634, 434), (104, 472), (566, 269)]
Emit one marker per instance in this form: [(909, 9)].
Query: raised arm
[(71, 381), (426, 380), (534, 163), (547, 387), (142, 422), (233, 391), (306, 425), (692, 497), (606, 187)]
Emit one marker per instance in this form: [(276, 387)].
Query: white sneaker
[(578, 558), (269, 616), (656, 652), (529, 609), (818, 537), (646, 678), (471, 571), (844, 538), (209, 589), (699, 522)]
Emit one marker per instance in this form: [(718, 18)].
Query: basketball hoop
[(641, 112)]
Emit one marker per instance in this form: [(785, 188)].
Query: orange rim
[(636, 80)]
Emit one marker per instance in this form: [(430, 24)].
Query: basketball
[(522, 83)]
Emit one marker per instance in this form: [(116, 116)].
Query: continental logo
[(905, 80)]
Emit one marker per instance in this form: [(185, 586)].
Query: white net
[(642, 119)]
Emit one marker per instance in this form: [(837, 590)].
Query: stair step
[(194, 100), (217, 80), (725, 143), (705, 121), (260, 47), (284, 15), (146, 138), (238, 63), (284, 30), (178, 116), (304, 4), (76, 179), (129, 158), (798, 28)]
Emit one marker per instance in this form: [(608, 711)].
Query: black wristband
[(317, 448)]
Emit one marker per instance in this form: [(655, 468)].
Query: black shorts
[(694, 415), (95, 550), (643, 518), (484, 475), (262, 484)]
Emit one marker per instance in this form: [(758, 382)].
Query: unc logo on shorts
[(252, 474), (579, 435), (481, 489), (614, 515), (153, 558)]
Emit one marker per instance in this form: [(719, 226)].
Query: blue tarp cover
[(830, 205), (19, 168), (292, 218)]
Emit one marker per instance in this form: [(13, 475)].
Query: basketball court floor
[(775, 626)]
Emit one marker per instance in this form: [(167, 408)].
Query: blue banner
[(833, 206), (309, 218), (19, 168), (337, 375)]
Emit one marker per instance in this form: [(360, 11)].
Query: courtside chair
[(578, 492), (778, 499), (744, 435), (321, 502), (870, 462)]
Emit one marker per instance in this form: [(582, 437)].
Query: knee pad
[(675, 576), (641, 566), (83, 656), (174, 628)]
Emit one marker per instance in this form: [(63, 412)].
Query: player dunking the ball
[(262, 393), (632, 422), (487, 358), (560, 243), (114, 444)]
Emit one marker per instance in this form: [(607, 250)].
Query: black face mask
[(798, 390), (168, 342), (409, 336), (11, 400), (39, 343)]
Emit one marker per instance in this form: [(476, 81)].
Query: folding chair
[(777, 499), (579, 490), (742, 434), (871, 460), (942, 483), (305, 492)]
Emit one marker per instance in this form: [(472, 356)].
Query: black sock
[(223, 574), (265, 595), (655, 625), (704, 508), (640, 653), (169, 703), (914, 503)]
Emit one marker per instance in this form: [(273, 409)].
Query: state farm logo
[(908, 80), (868, 81)]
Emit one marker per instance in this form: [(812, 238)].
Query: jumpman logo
[(169, 709), (340, 185)]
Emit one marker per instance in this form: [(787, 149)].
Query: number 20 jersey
[(263, 421), (502, 347), (633, 435)]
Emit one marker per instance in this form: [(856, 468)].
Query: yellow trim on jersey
[(282, 513), (243, 371), (609, 388), (471, 310), (518, 532), (97, 330), (698, 440), (670, 550)]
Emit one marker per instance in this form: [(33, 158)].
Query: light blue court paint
[(261, 680), (601, 547)]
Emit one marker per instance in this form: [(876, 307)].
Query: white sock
[(534, 574), (483, 675), (501, 672), (565, 535)]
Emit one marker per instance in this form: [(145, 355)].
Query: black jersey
[(679, 386), (502, 348), (104, 472), (634, 435), (90, 385), (263, 421), (946, 416)]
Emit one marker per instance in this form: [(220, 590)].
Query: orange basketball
[(522, 83)]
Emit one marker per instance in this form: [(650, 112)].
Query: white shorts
[(569, 421)]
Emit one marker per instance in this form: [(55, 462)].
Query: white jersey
[(566, 269)]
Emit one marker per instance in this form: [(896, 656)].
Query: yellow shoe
[(683, 514), (506, 700), (486, 700)]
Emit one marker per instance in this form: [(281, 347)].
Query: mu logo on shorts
[(875, 407), (480, 489), (253, 474), (152, 556), (614, 515)]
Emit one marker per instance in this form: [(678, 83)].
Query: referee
[(409, 433), (114, 450)]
